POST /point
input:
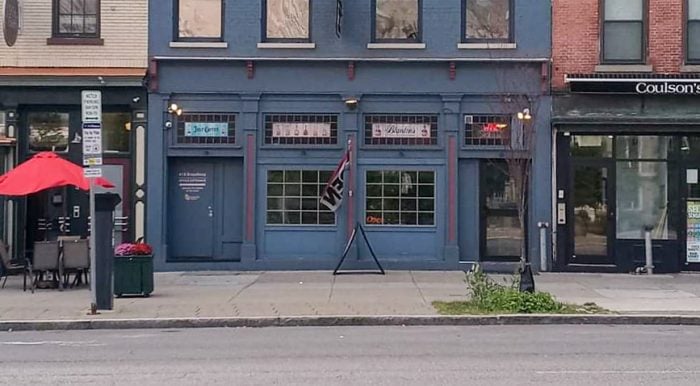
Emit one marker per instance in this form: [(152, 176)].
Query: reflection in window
[(502, 226), (48, 131), (486, 130), (591, 145), (199, 19), (293, 198), (693, 31), (400, 198), (642, 147), (287, 19), (488, 19), (643, 200), (397, 20), (116, 128), (623, 31), (78, 17)]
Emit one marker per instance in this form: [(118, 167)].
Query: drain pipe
[(649, 268), (543, 245)]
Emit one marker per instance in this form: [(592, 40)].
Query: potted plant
[(133, 269)]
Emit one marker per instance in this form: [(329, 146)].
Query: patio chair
[(8, 267), (46, 261), (75, 259)]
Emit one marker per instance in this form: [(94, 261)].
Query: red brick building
[(626, 119)]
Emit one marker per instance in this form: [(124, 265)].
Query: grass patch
[(488, 297)]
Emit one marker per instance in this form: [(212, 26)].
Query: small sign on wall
[(400, 130), (206, 129), (301, 130), (192, 184), (693, 232)]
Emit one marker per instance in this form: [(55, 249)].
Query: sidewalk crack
[(245, 287), (420, 292), (330, 293)]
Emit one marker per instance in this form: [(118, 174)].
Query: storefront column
[(249, 118), (451, 123), (156, 213), (351, 123)]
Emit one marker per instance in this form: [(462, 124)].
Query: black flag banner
[(338, 17), (333, 193)]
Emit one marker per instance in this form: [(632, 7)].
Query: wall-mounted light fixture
[(173, 108), (351, 103), (524, 115)]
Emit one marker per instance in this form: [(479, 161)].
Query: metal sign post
[(92, 156)]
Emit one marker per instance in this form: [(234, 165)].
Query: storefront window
[(400, 198), (48, 131), (116, 130), (592, 145), (293, 197), (500, 205), (401, 129), (643, 200), (206, 129), (301, 129), (486, 130)]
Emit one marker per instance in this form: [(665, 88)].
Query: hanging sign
[(693, 232), (301, 130), (206, 129), (400, 130), (10, 27)]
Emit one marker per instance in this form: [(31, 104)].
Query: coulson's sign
[(636, 86), (667, 88)]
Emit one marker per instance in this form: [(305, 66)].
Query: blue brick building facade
[(270, 94)]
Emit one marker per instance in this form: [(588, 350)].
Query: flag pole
[(351, 190)]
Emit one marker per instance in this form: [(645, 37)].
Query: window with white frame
[(623, 31), (287, 20), (400, 197), (488, 20), (293, 197), (397, 20), (199, 20)]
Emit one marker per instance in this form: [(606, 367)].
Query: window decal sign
[(400, 130), (693, 232), (301, 130), (206, 129), (192, 184)]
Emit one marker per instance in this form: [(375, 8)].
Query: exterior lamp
[(524, 115), (174, 109)]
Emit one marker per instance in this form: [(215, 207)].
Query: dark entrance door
[(205, 209), (591, 214)]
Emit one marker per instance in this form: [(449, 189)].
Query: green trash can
[(133, 275)]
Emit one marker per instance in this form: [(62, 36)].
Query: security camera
[(168, 124)]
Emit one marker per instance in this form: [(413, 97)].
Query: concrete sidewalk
[(315, 293)]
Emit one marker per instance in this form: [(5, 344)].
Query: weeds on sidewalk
[(489, 297)]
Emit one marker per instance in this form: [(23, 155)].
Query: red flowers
[(130, 249)]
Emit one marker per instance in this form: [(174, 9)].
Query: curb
[(329, 321)]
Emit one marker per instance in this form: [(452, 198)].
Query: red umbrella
[(44, 171)]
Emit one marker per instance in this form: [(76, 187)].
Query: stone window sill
[(57, 41), (293, 46), (690, 68), (487, 46), (198, 45), (396, 46), (624, 68)]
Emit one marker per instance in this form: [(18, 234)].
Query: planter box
[(133, 275)]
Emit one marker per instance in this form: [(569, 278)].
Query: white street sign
[(92, 141), (92, 172), (92, 106)]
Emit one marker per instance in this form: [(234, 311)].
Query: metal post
[(93, 252), (647, 251), (543, 245)]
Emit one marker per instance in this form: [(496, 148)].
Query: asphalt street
[(484, 355)]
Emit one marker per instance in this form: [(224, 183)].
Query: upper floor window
[(287, 20), (623, 31), (693, 32), (199, 19), (397, 20), (76, 18), (488, 20)]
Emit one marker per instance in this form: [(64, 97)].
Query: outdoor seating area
[(52, 264)]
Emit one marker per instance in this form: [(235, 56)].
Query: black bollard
[(103, 282)]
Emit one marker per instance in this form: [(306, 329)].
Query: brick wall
[(576, 41), (124, 28)]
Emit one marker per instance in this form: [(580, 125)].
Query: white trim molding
[(293, 46), (487, 46), (396, 46), (624, 68), (198, 45)]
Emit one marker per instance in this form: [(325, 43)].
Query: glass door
[(591, 214)]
